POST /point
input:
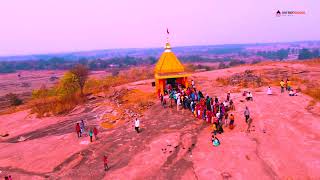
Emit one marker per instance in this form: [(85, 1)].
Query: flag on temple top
[(167, 31)]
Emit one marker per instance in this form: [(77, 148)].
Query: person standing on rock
[(105, 163), (178, 102), (78, 130), (82, 126), (136, 125), (90, 134), (95, 132), (249, 124), (247, 114), (282, 86), (228, 96), (288, 85), (231, 123)]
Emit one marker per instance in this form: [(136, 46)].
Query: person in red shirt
[(209, 115), (78, 131), (105, 162), (95, 132), (201, 112)]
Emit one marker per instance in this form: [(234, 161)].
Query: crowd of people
[(209, 109), (206, 108)]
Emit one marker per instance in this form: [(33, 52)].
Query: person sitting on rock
[(292, 93), (249, 96), (269, 91), (215, 141)]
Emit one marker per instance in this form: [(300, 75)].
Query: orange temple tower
[(169, 71)]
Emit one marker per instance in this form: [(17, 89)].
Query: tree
[(305, 54), (81, 73), (282, 54), (315, 53), (68, 85)]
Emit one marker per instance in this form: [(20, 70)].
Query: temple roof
[(168, 62)]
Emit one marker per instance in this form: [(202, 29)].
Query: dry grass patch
[(137, 100), (107, 125), (313, 92), (247, 79)]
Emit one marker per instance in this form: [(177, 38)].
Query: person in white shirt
[(136, 125), (249, 96), (226, 104), (269, 91), (178, 102)]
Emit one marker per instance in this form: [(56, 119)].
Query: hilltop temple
[(169, 73)]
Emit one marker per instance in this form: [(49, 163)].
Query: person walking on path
[(247, 114), (282, 86), (137, 125), (95, 132), (78, 130), (105, 163), (90, 134), (249, 124)]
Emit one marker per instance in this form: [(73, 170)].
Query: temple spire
[(167, 47)]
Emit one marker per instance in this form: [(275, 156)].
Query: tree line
[(61, 63)]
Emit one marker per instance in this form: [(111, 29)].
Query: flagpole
[(167, 35)]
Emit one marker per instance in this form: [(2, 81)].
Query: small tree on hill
[(68, 85), (81, 73)]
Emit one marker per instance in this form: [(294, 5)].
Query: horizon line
[(141, 48)]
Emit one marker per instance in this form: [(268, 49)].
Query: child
[(269, 91), (90, 134), (95, 132), (231, 124), (78, 130), (136, 125), (105, 162), (215, 141)]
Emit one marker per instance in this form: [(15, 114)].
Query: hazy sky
[(44, 26)]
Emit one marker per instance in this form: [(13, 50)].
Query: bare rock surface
[(283, 142)]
